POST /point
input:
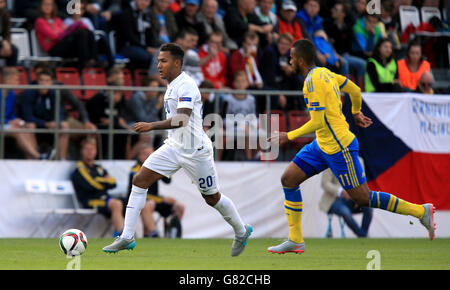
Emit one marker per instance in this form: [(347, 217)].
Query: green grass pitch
[(213, 254)]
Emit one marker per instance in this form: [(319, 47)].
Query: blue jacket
[(312, 24), (38, 108), (10, 106)]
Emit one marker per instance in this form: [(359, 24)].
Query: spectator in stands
[(101, 40), (167, 207), (245, 59), (143, 107), (381, 70), (289, 23), (111, 7), (211, 22), (213, 61), (187, 39), (241, 18), (163, 21), (366, 34), (57, 39), (27, 9), (389, 25), (39, 107), (265, 14), (100, 114), (8, 51), (326, 54), (136, 40), (186, 17), (91, 183), (92, 9), (359, 9), (310, 16), (277, 74), (26, 141), (411, 68), (339, 31), (208, 99), (426, 83), (80, 118), (335, 200), (244, 105)]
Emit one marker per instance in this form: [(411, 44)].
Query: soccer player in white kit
[(187, 146)]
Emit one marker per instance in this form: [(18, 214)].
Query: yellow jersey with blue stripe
[(322, 92)]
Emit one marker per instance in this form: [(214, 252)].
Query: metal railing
[(110, 131)]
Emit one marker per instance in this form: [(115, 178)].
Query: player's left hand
[(279, 138), (141, 127), (361, 120)]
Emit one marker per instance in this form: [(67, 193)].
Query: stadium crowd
[(237, 44)]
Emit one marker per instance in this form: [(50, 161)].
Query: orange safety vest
[(411, 79)]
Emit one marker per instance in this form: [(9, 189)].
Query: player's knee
[(140, 181), (288, 181), (212, 199)]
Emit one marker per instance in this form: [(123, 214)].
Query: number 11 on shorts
[(346, 178)]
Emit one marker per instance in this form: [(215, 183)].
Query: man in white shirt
[(187, 147)]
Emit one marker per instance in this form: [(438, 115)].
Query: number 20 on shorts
[(205, 182)]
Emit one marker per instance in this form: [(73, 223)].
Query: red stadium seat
[(32, 75), (23, 79), (69, 76), (93, 77), (296, 119), (139, 75), (128, 82)]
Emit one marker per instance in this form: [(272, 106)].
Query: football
[(73, 242)]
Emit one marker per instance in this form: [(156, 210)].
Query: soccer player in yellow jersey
[(335, 147)]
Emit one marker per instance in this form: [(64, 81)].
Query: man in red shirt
[(288, 23)]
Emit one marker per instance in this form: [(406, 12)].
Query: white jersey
[(183, 92)]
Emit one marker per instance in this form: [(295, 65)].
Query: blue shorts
[(345, 164)]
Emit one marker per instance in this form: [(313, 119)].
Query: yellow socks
[(394, 204), (293, 206)]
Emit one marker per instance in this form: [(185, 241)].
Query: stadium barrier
[(253, 186)]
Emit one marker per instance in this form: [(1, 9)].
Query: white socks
[(229, 212), (138, 198), (135, 204)]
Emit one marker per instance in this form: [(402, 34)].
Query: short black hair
[(187, 31), (174, 49), (45, 71), (305, 49)]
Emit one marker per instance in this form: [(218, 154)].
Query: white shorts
[(199, 166)]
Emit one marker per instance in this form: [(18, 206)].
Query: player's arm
[(316, 122), (349, 87), (181, 119)]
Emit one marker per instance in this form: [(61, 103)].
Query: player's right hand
[(141, 127), (361, 120), (279, 138)]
